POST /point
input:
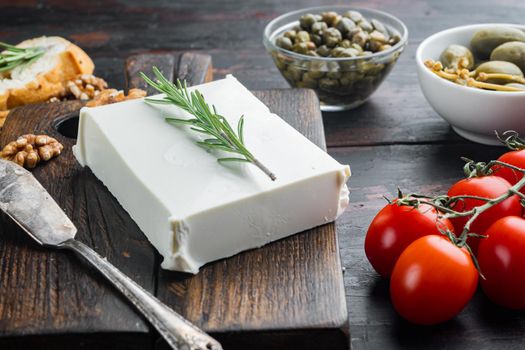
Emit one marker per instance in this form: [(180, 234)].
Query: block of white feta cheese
[(193, 209)]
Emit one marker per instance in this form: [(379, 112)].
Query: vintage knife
[(24, 199)]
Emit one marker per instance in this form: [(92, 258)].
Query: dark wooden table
[(394, 139)]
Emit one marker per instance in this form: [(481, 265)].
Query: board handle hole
[(68, 125)]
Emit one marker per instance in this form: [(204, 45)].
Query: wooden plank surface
[(406, 141), (293, 285), (287, 295)]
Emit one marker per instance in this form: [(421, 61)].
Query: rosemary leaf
[(13, 56), (206, 120)]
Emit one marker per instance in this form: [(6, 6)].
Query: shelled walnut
[(29, 150), (85, 86), (109, 96)]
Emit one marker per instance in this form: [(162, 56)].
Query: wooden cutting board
[(286, 295)]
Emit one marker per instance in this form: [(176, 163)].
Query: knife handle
[(178, 332)]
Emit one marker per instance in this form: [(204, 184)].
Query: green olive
[(516, 85), (486, 40), (513, 51), (499, 67), (451, 56), (332, 37)]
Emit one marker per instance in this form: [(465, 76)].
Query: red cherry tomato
[(516, 158), (501, 258), (487, 187), (432, 280), (394, 228)]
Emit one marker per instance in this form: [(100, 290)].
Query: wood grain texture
[(231, 31), (51, 292), (278, 296), (287, 295), (406, 141)]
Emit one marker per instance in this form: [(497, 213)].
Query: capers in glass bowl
[(343, 53)]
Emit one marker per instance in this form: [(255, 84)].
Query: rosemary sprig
[(207, 121), (13, 56)]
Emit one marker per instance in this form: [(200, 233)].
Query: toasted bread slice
[(44, 78)]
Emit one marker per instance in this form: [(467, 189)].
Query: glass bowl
[(341, 83)]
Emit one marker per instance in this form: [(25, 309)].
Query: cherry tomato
[(394, 228), (516, 158), (487, 187), (501, 259), (432, 280)]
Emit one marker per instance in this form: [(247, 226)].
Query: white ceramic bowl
[(473, 113)]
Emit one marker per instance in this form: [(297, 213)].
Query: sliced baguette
[(46, 77)]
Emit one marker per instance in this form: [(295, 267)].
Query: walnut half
[(29, 150)]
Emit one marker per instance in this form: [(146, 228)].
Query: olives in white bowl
[(476, 113)]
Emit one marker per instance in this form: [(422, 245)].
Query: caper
[(319, 27), (453, 54), (365, 25), (379, 26), (344, 52), (290, 34), (309, 80), (329, 17), (377, 39), (361, 38), (323, 50), (302, 37), (316, 39), (353, 32), (332, 37), (284, 42), (357, 47), (345, 25), (353, 15), (328, 84), (513, 51), (306, 21), (317, 69), (345, 44), (336, 51), (334, 75), (395, 37), (487, 39), (295, 72), (300, 47), (501, 67)]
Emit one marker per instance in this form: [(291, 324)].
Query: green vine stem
[(445, 204), (512, 140)]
